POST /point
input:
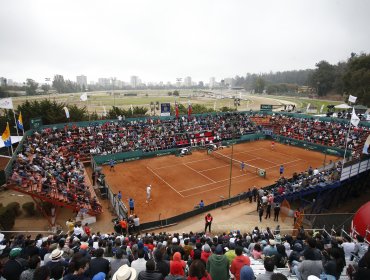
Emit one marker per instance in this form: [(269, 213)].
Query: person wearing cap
[(246, 273), (206, 252), (15, 265), (238, 262), (125, 273), (218, 264)]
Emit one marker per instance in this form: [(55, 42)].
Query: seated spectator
[(197, 271), (238, 262), (150, 273), (269, 264)]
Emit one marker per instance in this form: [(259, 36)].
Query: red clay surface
[(179, 183)]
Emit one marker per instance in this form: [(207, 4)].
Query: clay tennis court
[(179, 183)]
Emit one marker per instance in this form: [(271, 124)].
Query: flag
[(352, 99), (308, 106), (66, 111), (322, 108), (83, 96), (176, 110), (354, 119), (6, 136), (20, 121), (105, 112), (132, 109), (189, 110), (6, 103)]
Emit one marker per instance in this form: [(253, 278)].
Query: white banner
[(322, 108), (83, 97), (308, 106), (352, 99), (354, 119), (66, 111), (6, 103)]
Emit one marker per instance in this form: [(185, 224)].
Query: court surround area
[(179, 183)]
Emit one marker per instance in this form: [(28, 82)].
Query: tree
[(45, 88), (323, 78), (31, 87), (59, 83), (259, 85), (357, 78)]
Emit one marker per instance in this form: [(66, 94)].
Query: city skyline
[(163, 40)]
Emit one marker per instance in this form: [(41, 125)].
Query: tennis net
[(237, 163)]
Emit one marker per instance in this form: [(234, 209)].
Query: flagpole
[(15, 121)]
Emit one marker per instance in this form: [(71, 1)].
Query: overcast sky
[(161, 40)]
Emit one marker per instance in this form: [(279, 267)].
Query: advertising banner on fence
[(165, 109), (366, 149)]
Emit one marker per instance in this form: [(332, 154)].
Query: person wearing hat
[(125, 273), (270, 250), (246, 273), (57, 260), (15, 265), (218, 264), (206, 252)]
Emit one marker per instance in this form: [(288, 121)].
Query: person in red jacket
[(238, 262), (205, 253), (208, 222)]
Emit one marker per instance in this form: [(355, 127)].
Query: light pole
[(114, 96)]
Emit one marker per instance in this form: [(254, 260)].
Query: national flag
[(6, 103), (83, 96), (20, 121), (352, 99), (66, 111), (190, 110), (105, 112), (132, 109), (354, 119), (6, 136), (176, 110), (308, 106), (322, 108)]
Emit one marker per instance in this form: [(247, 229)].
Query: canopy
[(15, 139), (342, 106)]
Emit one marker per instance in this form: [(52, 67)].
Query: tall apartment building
[(104, 82), (134, 81), (187, 81), (82, 81), (212, 82)]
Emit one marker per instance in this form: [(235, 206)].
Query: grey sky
[(162, 40)]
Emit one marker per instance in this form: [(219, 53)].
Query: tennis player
[(273, 145), (242, 166)]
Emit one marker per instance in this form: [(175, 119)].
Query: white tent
[(342, 106)]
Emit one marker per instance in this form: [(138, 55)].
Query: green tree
[(31, 87), (357, 78), (45, 88), (323, 78), (59, 83), (259, 85)]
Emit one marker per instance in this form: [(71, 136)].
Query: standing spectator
[(140, 263), (238, 262), (218, 265), (276, 212), (348, 247), (281, 170), (268, 210), (99, 263), (131, 204), (87, 229), (93, 178), (71, 225), (269, 265), (119, 196), (150, 273), (137, 223), (242, 166), (297, 213), (112, 163), (56, 261), (208, 222), (260, 212), (123, 224), (255, 193), (250, 195), (148, 193)]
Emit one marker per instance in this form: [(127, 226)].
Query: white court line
[(164, 181), (199, 173)]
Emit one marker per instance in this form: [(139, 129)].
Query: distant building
[(134, 81), (187, 81), (212, 82), (10, 82), (3, 81), (82, 81), (104, 82)]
